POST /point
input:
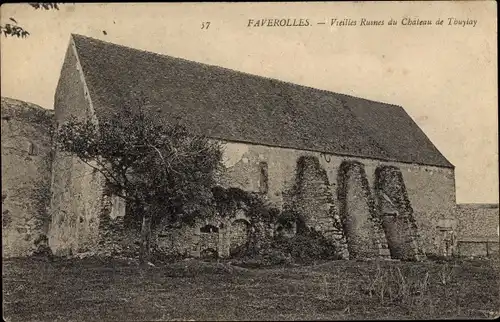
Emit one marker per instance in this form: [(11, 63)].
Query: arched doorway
[(239, 236), (209, 241)]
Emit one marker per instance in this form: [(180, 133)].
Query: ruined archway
[(209, 241), (397, 214), (358, 212), (239, 237)]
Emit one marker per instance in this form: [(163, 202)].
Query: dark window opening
[(32, 149), (264, 179), (209, 229)]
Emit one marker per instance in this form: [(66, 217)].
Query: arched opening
[(209, 241), (239, 236)]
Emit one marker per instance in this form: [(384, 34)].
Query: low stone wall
[(477, 230), (478, 248)]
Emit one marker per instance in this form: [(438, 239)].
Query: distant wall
[(26, 167), (430, 190), (478, 229)]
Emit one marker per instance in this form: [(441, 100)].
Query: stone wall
[(361, 221), (219, 237), (430, 190), (311, 197), (395, 208), (26, 167), (477, 229), (77, 190)]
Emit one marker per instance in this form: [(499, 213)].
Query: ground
[(97, 290)]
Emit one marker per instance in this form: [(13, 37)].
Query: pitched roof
[(236, 106)]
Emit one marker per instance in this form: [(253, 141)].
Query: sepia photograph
[(249, 161)]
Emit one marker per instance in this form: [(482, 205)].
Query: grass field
[(97, 290)]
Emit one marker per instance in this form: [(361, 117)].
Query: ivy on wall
[(229, 200)]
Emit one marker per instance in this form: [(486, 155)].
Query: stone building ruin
[(26, 176), (361, 172)]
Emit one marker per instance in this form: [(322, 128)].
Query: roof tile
[(236, 106)]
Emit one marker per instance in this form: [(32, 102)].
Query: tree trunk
[(145, 248)]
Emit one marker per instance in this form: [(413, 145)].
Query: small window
[(264, 179), (32, 149), (209, 229)]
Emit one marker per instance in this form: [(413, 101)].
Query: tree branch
[(126, 197)]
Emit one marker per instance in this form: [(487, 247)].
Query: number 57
[(205, 25)]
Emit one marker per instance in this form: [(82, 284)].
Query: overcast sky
[(444, 76)]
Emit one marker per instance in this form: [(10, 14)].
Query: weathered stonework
[(313, 191), (26, 166), (332, 191), (77, 190), (212, 236), (361, 222), (86, 219), (397, 214), (430, 190), (341, 196), (311, 197)]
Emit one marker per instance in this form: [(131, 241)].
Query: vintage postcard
[(249, 161)]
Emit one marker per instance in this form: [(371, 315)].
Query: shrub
[(267, 257), (306, 246)]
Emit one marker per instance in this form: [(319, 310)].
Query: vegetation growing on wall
[(262, 216), (304, 201), (307, 245), (228, 200), (304, 247), (160, 169)]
